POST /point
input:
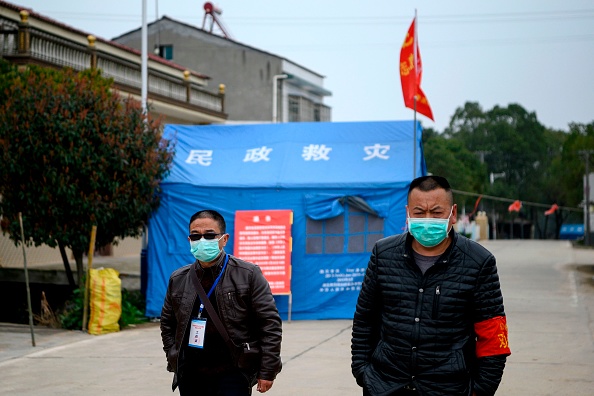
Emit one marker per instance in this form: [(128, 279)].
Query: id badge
[(197, 332)]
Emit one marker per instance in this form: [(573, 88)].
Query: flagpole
[(410, 78), (415, 103), (415, 141)]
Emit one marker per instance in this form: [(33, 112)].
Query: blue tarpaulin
[(346, 184)]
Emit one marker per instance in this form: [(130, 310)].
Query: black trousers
[(228, 383)]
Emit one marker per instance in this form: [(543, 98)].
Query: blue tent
[(346, 184)]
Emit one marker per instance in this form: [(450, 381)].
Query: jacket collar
[(445, 256), (215, 269)]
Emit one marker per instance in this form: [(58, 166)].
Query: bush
[(133, 305), (133, 308), (72, 313)]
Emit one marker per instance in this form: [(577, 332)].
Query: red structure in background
[(210, 10)]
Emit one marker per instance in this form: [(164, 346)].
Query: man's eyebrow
[(434, 208)]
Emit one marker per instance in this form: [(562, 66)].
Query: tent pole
[(290, 305)]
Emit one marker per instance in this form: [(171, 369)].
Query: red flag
[(515, 207), (552, 209), (411, 72), (476, 205)]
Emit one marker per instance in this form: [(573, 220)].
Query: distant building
[(247, 73), (174, 92)]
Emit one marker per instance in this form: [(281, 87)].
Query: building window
[(322, 113), (294, 108), (304, 110), (317, 115), (354, 231), (166, 52)]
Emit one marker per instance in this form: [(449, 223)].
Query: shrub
[(133, 305)]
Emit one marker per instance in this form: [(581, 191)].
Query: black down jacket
[(418, 330)]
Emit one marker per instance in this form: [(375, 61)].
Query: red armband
[(491, 337)]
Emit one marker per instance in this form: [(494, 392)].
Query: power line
[(528, 203), (333, 47), (322, 22), (523, 17)]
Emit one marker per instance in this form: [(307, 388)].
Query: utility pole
[(493, 176), (481, 154), (144, 61), (586, 155)]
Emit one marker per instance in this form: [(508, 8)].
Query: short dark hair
[(430, 183), (210, 214)]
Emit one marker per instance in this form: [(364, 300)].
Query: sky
[(538, 54)]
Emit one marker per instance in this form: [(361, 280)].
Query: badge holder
[(197, 332)]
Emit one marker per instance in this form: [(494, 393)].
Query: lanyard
[(214, 285)]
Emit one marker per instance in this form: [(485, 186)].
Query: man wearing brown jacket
[(203, 361)]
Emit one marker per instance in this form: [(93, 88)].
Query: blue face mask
[(429, 232), (205, 250)]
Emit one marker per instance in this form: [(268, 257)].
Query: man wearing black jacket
[(203, 361), (430, 318)]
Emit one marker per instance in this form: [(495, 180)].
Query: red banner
[(515, 206), (411, 73), (551, 210), (263, 237)]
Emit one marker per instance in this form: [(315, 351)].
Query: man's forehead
[(206, 223), (437, 197)]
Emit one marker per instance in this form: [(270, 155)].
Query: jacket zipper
[(436, 301)]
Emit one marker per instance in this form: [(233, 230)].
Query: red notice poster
[(263, 237)]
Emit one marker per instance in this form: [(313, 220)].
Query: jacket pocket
[(238, 303), (249, 356)]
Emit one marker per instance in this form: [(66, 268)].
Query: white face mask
[(429, 232)]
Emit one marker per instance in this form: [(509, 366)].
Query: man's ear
[(454, 218)]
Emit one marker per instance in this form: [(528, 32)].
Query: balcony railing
[(23, 44)]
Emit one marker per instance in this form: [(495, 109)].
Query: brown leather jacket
[(245, 306)]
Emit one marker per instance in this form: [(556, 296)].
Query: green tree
[(551, 183), (571, 166), (75, 154), (512, 141), (450, 158), (565, 177), (508, 139)]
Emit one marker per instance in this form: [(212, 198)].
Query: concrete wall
[(11, 256), (247, 73)]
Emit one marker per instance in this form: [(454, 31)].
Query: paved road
[(549, 298)]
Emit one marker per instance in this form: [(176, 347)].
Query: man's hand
[(264, 385)]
